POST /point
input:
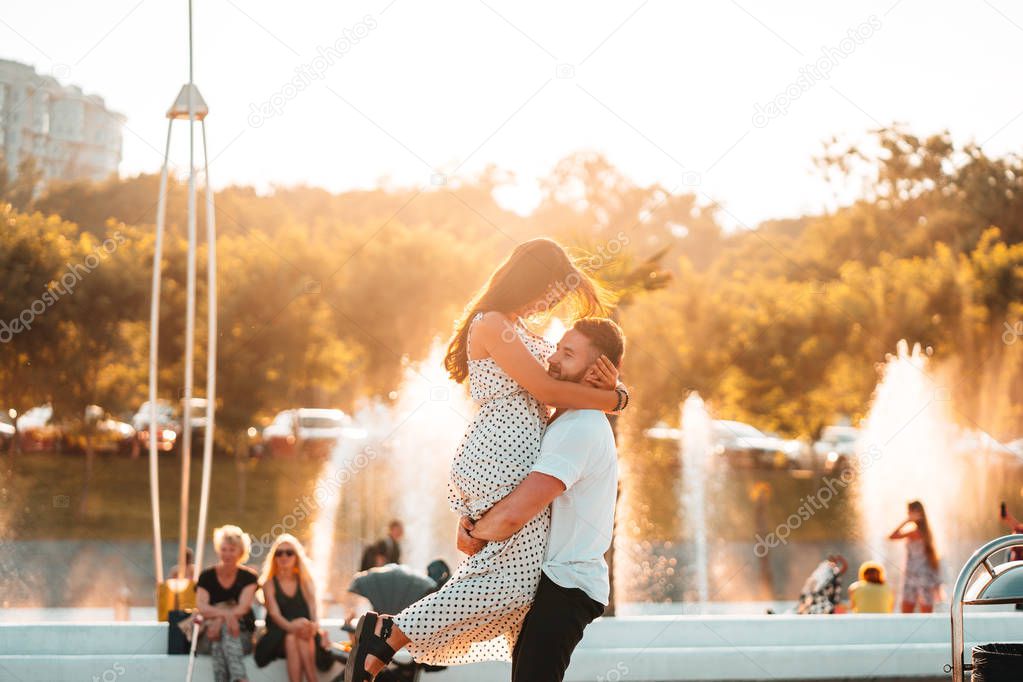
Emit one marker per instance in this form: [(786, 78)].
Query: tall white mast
[(189, 105)]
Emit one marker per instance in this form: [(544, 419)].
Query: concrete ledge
[(126, 668), (150, 637), (640, 664), (640, 648)]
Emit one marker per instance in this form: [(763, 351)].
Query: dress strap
[(468, 336)]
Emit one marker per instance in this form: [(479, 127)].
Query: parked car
[(836, 448), (37, 431), (279, 434), (167, 426), (197, 413), (798, 453), (98, 429), (746, 446), (254, 446), (306, 430)]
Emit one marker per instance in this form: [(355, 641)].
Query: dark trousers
[(550, 632)]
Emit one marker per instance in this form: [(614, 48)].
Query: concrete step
[(640, 648), (648, 631), (129, 668), (633, 664)]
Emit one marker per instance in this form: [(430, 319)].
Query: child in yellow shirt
[(871, 594)]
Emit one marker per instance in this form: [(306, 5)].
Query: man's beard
[(556, 373)]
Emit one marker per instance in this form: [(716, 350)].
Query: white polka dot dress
[(478, 613)]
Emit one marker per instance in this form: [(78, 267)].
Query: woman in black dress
[(289, 594), (223, 596)]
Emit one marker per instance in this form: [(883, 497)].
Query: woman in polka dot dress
[(477, 615)]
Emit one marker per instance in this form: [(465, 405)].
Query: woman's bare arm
[(898, 533), (310, 598), (503, 344), (245, 600), (272, 609), (202, 603)]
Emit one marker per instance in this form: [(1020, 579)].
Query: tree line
[(325, 297)]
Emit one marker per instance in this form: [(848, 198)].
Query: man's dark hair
[(605, 335)]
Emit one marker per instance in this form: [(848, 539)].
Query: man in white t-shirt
[(577, 474)]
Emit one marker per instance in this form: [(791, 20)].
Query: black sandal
[(368, 643)]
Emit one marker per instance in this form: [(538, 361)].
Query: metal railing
[(1003, 585)]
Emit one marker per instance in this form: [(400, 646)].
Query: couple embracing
[(535, 489)]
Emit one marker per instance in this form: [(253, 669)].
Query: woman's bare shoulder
[(491, 324)]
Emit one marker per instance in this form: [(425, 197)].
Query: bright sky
[(667, 90)]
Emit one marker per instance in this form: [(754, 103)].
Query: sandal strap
[(377, 644), (379, 648)]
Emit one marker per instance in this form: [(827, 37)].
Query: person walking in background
[(385, 551), (390, 546), (871, 594), (289, 594), (921, 578), (223, 595)]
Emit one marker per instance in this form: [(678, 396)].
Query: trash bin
[(998, 663)]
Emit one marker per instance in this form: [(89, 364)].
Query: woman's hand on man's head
[(602, 374)]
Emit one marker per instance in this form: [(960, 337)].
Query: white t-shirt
[(578, 449)]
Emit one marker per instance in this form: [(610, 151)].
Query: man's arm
[(518, 507)]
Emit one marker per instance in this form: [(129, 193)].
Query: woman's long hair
[(925, 532), (537, 273), (304, 575)]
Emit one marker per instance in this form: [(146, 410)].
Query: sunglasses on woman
[(284, 552)]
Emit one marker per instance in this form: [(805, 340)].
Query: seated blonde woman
[(223, 595), (289, 594)]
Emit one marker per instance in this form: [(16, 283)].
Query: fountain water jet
[(344, 457), (418, 436), (906, 452), (695, 451)]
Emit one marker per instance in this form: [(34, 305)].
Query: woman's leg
[(293, 657), (307, 652), (926, 600), (234, 655), (220, 669)]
